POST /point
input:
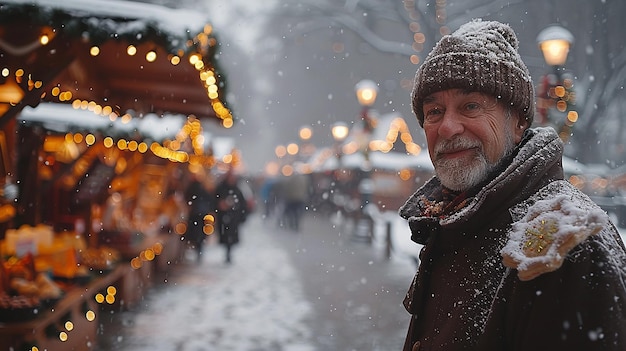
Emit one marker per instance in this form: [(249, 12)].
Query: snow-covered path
[(256, 303)]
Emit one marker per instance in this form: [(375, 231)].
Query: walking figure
[(232, 211), (200, 198), (296, 194)]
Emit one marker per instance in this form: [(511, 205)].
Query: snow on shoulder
[(549, 228)]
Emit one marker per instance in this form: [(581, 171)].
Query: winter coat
[(464, 297), (200, 202), (228, 220)]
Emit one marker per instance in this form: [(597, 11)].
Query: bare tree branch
[(319, 16)]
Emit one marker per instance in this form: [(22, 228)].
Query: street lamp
[(366, 91), (339, 131), (305, 135), (556, 88), (554, 43)]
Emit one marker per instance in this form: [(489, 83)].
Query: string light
[(151, 56), (203, 40), (94, 51), (207, 76), (90, 315)]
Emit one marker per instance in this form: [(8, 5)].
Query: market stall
[(91, 211), (397, 165)]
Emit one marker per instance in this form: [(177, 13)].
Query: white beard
[(463, 174), (460, 175)]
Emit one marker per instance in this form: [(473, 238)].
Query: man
[(514, 257)]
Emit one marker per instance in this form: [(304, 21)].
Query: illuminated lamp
[(554, 43)]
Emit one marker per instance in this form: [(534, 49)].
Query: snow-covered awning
[(121, 56), (63, 118)]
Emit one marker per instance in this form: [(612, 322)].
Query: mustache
[(458, 143)]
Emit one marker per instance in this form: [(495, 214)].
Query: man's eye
[(432, 112), (472, 106), (432, 115)]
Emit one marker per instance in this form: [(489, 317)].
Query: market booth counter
[(117, 226), (106, 243), (52, 298), (53, 293), (68, 324)]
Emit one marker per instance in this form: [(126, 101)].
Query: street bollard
[(388, 246)]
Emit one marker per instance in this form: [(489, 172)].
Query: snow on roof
[(393, 160), (397, 160), (58, 117), (62, 118), (379, 160), (174, 21), (159, 128)]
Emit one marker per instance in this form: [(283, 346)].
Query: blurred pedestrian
[(200, 199), (232, 211), (296, 192), (269, 196), (515, 258)]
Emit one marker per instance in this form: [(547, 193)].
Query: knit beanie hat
[(480, 56)]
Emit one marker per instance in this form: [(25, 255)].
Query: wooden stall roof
[(77, 51)]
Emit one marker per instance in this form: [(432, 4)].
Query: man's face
[(468, 133)]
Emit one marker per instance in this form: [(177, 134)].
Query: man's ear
[(520, 127)]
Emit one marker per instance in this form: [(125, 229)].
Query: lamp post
[(339, 131), (307, 148), (556, 88), (366, 91)]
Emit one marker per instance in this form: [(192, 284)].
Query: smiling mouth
[(448, 154)]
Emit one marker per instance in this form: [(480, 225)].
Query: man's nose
[(451, 125)]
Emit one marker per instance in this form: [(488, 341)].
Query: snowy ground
[(348, 298), (214, 306)]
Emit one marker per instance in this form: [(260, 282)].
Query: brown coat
[(464, 298)]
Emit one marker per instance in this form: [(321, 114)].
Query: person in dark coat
[(200, 199), (515, 258), (232, 211)]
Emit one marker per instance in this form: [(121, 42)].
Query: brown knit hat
[(480, 56)]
